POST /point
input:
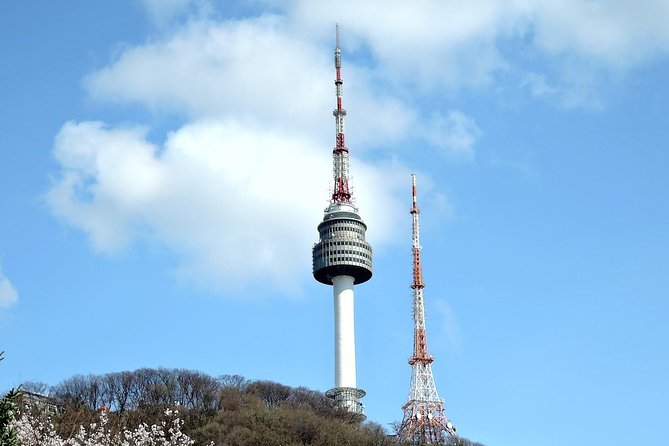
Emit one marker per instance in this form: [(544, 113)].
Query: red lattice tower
[(424, 420)]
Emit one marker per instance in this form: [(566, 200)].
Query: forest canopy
[(227, 410)]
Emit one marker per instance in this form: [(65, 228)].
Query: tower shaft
[(344, 331), (424, 421), (342, 258)]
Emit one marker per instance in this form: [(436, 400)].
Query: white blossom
[(37, 431)]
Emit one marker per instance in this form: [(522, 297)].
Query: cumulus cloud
[(258, 71), (423, 44), (8, 294), (236, 203), (270, 67), (430, 46), (455, 133), (419, 47), (232, 190), (250, 69), (616, 33)]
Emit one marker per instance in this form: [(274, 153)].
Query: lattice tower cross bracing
[(424, 421)]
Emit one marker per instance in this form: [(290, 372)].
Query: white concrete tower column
[(344, 332)]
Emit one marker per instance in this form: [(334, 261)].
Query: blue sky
[(164, 165)]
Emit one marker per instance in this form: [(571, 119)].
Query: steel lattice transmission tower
[(424, 420), (342, 258)]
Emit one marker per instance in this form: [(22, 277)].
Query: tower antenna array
[(342, 258), (424, 420), (341, 192)]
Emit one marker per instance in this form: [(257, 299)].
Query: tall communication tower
[(342, 258), (424, 421)]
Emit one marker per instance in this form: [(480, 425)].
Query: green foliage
[(228, 410)]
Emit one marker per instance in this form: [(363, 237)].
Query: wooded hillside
[(228, 410)]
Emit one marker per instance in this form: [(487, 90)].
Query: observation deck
[(342, 249)]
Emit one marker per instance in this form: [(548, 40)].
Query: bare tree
[(269, 392), (37, 387), (236, 381)]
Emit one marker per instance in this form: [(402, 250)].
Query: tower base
[(425, 423), (347, 398)]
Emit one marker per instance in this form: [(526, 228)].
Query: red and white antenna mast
[(424, 421), (420, 353), (341, 192)]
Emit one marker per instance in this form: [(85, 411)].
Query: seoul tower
[(342, 258), (424, 421)]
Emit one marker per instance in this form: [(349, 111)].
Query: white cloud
[(8, 294), (252, 71), (429, 46), (271, 68), (162, 12), (537, 84), (108, 177), (617, 33), (423, 44), (416, 47), (447, 322), (456, 133), (236, 203), (232, 191), (249, 69)]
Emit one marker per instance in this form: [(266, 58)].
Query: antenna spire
[(337, 35), (341, 192)]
